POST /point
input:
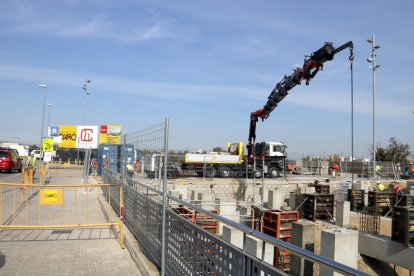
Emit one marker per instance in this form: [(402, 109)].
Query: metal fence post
[(164, 199)]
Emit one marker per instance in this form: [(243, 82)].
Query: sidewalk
[(80, 251)]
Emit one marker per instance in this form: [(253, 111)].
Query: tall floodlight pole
[(374, 67), (87, 156), (85, 88), (43, 115)]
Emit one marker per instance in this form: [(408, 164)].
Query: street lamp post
[(43, 115), (49, 106), (374, 67)]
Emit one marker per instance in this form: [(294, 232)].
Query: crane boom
[(311, 66)]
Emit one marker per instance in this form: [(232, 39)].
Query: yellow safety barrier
[(57, 206)]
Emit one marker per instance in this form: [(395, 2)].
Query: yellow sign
[(69, 136), (51, 197), (47, 144), (110, 135)]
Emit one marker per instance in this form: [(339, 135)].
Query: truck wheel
[(225, 172), (258, 173), (211, 172), (274, 172)]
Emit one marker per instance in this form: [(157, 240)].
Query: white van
[(36, 153)]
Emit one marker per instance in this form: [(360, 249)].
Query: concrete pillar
[(248, 194), (245, 213), (265, 193), (227, 208), (340, 245), (255, 247), (303, 235), (206, 200), (276, 199), (174, 193), (233, 236), (182, 188), (293, 200), (343, 210)]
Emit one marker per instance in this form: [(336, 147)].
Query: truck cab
[(269, 159), (270, 149)]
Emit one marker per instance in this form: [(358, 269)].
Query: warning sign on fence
[(51, 197)]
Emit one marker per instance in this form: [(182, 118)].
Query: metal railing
[(64, 206), (177, 245)]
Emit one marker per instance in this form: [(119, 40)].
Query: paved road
[(81, 251)]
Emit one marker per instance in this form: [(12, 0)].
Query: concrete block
[(233, 236), (254, 247), (340, 245), (276, 199), (227, 208), (303, 236), (343, 210)]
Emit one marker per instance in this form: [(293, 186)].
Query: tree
[(394, 152)]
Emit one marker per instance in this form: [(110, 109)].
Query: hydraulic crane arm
[(311, 66)]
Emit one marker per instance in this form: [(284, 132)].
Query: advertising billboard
[(68, 135), (110, 135)]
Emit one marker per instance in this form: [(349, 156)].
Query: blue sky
[(207, 65)]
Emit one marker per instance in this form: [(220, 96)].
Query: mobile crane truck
[(265, 158), (311, 66)]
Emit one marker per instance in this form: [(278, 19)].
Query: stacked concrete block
[(361, 185), (255, 248), (233, 236), (303, 236), (276, 199), (343, 213), (340, 245)]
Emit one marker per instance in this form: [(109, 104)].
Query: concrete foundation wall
[(384, 249)]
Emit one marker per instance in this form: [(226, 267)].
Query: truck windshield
[(279, 148)]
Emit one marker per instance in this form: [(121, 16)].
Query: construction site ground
[(365, 263)]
